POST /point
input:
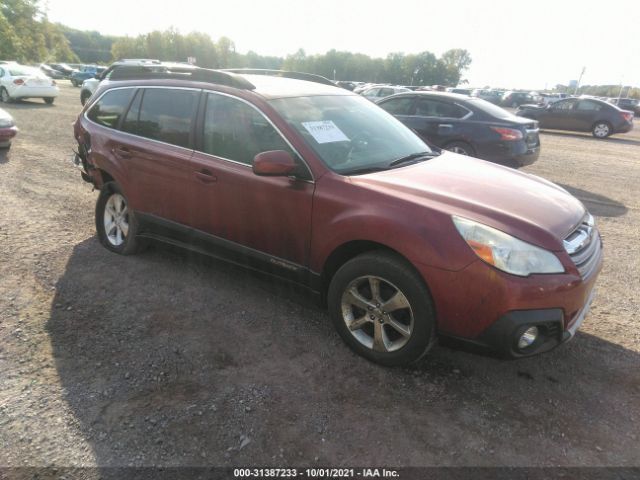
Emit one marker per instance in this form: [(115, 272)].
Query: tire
[(74, 83), (116, 224), (4, 95), (601, 129), (461, 148), (48, 100), (514, 105), (395, 337), (84, 96)]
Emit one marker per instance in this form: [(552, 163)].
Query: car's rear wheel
[(4, 95), (461, 148), (381, 308), (601, 130), (48, 100), (74, 83), (116, 223)]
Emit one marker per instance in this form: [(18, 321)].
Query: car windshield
[(490, 108), (26, 72), (349, 133)]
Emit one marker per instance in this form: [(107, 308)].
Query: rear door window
[(426, 107), (398, 106), (163, 114), (589, 105), (109, 109), (564, 104)]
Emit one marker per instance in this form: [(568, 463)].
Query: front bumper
[(503, 335), (483, 306)]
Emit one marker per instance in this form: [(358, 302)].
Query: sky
[(513, 44)]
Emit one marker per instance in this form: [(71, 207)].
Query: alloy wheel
[(459, 150), (116, 220), (601, 130), (377, 314)]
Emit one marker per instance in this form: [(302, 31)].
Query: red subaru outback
[(290, 175)]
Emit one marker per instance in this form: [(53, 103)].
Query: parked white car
[(8, 129), (18, 82)]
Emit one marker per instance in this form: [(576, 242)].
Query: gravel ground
[(172, 359)]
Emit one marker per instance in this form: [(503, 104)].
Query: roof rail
[(162, 72), (309, 77)]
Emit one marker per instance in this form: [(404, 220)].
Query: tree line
[(417, 69), (48, 42), (602, 90)]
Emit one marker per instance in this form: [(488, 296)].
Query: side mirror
[(274, 163)]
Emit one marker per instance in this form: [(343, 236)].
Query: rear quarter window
[(108, 110)]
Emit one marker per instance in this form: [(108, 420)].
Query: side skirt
[(188, 238)]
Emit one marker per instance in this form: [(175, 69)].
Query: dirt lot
[(167, 358)]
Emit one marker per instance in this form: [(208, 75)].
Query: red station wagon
[(285, 173)]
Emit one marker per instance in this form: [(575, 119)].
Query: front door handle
[(205, 176)]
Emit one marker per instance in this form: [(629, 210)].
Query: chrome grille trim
[(584, 246), (578, 239)]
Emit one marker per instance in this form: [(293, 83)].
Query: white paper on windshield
[(325, 131)]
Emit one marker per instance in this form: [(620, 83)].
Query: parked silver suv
[(90, 85)]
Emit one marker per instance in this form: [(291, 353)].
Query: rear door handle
[(205, 176), (122, 152)]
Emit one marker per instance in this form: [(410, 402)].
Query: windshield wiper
[(362, 171), (414, 157)]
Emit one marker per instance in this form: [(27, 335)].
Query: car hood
[(528, 207)]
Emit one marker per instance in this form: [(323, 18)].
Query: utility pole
[(579, 81), (621, 88)]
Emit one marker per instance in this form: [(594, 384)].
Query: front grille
[(584, 246)]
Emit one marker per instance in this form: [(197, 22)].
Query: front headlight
[(505, 252)]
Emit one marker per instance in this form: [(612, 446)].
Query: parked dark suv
[(515, 99), (321, 187)]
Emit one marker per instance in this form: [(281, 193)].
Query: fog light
[(528, 337)]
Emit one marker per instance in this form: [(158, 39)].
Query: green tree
[(453, 63)]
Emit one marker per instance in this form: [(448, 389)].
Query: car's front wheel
[(382, 309), (116, 223), (601, 130)]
